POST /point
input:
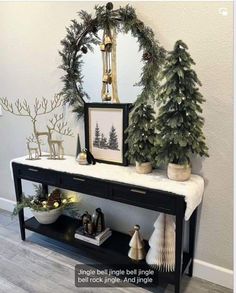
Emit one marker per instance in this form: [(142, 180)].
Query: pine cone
[(84, 50), (140, 25), (109, 6), (147, 56), (55, 196)]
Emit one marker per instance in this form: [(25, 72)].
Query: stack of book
[(93, 239)]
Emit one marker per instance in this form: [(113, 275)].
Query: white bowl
[(47, 217)]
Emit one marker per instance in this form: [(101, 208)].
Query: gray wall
[(30, 38)]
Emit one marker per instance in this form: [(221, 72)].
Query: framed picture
[(104, 131)]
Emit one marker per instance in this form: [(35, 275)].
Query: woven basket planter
[(178, 172)]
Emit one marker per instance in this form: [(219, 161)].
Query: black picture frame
[(92, 109)]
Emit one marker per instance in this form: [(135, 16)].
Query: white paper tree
[(161, 254)]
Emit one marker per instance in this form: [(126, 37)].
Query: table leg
[(18, 191), (45, 189), (192, 233), (179, 245)]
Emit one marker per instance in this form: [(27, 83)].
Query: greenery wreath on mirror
[(82, 36)]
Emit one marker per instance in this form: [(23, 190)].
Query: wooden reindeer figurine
[(56, 124), (33, 151), (55, 147)]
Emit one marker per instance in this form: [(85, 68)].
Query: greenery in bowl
[(43, 202)]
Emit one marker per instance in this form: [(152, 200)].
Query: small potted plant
[(179, 123), (45, 208), (141, 132)]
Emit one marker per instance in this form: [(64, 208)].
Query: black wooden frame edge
[(126, 107)]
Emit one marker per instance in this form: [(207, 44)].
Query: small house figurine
[(137, 250)]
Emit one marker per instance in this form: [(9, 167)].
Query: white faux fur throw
[(191, 189)]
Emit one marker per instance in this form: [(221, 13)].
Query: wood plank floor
[(41, 265)]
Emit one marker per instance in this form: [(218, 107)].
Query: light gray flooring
[(41, 265)]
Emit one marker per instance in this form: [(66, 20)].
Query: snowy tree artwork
[(161, 254), (113, 141), (105, 133), (100, 141)]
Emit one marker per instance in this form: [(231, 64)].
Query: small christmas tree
[(141, 133), (179, 122), (96, 141), (161, 253), (137, 251), (113, 141)]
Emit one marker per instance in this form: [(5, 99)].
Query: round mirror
[(128, 65)]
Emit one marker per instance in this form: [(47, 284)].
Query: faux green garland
[(82, 36)]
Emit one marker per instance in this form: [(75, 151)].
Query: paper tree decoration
[(161, 254), (137, 251)]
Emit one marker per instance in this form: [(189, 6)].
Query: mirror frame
[(82, 36)]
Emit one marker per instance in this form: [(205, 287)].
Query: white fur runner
[(192, 189)]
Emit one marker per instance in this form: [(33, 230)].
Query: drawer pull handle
[(79, 179), (33, 170), (138, 191)]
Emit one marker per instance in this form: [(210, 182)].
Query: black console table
[(116, 247)]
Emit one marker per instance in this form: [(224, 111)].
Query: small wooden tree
[(137, 251)]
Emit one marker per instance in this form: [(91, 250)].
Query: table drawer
[(38, 175), (85, 185), (145, 198), (31, 173)]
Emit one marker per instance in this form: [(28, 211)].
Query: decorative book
[(93, 239)]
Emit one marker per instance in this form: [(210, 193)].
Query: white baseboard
[(212, 273), (203, 270), (8, 205)]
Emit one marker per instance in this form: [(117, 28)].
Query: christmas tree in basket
[(179, 123), (141, 136)]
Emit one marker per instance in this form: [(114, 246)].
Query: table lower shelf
[(112, 251)]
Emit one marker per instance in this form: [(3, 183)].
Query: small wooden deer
[(55, 147), (33, 151)]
